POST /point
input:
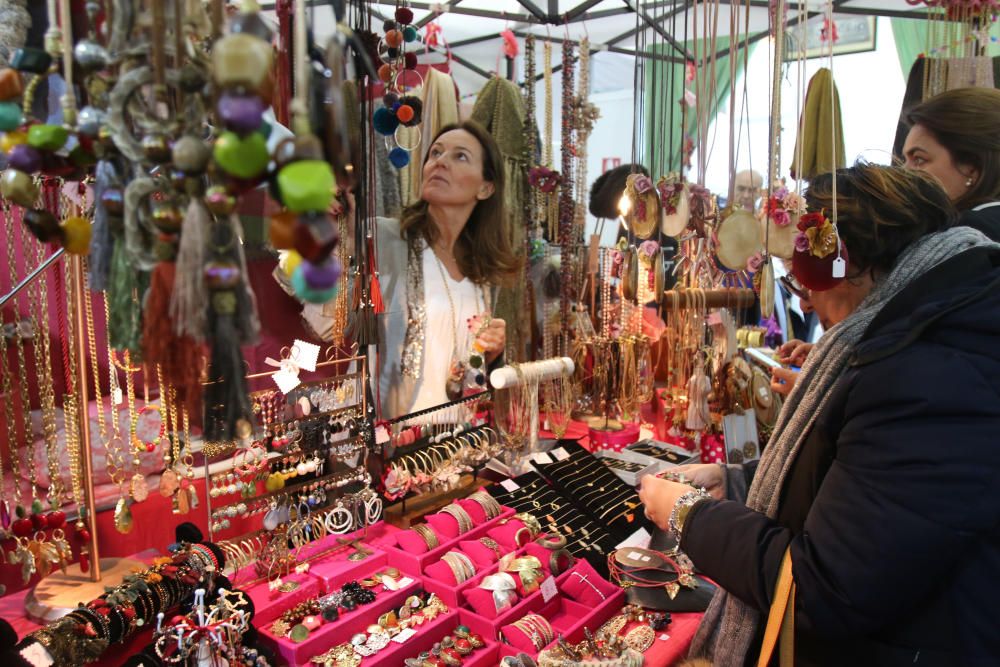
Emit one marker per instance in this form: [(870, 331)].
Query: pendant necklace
[(455, 384)]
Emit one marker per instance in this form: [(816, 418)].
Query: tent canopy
[(618, 30)]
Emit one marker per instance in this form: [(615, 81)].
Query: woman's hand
[(659, 497), (708, 476), (794, 352), (493, 339), (782, 380)]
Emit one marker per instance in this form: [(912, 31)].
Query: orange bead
[(404, 113), (76, 231), (282, 230), (393, 38), (385, 73), (11, 84)]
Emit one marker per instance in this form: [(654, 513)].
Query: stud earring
[(968, 182)]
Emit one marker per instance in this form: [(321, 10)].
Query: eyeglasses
[(793, 286)]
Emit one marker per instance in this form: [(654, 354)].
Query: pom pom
[(410, 60), (391, 54), (404, 15), (385, 73), (389, 99), (399, 158), (393, 39), (321, 276), (388, 25), (409, 34), (404, 113), (384, 121), (418, 109), (308, 294)]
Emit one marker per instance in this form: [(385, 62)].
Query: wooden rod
[(730, 297)]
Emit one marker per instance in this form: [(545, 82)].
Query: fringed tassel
[(187, 301), (125, 286), (248, 322), (101, 240), (378, 303), (179, 356)]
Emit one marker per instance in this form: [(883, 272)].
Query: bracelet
[(681, 510), (427, 533), (554, 559), (461, 516), (503, 587), (489, 504), (460, 565), (585, 579), (553, 543), (490, 544), (530, 522)]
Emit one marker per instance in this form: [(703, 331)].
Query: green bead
[(243, 157), (47, 137), (36, 506), (306, 185), (299, 633), (10, 116), (409, 33)]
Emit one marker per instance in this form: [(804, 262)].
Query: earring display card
[(269, 604), (740, 433)]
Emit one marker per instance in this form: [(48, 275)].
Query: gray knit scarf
[(729, 625)]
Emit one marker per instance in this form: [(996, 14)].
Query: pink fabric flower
[(642, 184), (801, 242), (780, 217), (648, 248)]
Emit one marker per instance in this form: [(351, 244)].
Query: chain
[(115, 460), (8, 403), (102, 427), (174, 424), (133, 415), (25, 394)]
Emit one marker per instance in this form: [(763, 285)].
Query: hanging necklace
[(454, 386)]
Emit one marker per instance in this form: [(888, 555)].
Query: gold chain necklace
[(25, 395)]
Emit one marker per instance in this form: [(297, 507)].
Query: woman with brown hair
[(955, 137), (881, 477)]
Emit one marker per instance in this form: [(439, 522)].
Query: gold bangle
[(461, 516), (427, 533)]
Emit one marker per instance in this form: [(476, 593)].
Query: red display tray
[(269, 605), (382, 536), (329, 635)]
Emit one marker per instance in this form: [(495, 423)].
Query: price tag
[(560, 453), (403, 583), (286, 381), (543, 457), (639, 540), (118, 396), (839, 268), (549, 589), (509, 485), (381, 435), (404, 635)]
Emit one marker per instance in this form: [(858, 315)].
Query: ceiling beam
[(433, 15), (648, 20)]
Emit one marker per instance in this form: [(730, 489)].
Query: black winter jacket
[(892, 506)]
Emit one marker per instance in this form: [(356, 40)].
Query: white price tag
[(509, 485), (635, 555), (560, 453), (305, 354), (286, 381), (404, 635), (549, 590), (118, 398), (638, 540), (543, 457), (839, 268), (381, 435)]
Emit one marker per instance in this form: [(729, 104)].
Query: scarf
[(730, 626)]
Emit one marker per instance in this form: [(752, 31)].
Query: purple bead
[(222, 275), (25, 158), (321, 276), (241, 113)]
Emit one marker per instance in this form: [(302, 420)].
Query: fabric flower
[(780, 193), (801, 242), (544, 179), (754, 263), (780, 217), (649, 248), (642, 184), (794, 203), (822, 239), (811, 220)]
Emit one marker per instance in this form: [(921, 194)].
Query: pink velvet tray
[(569, 618), (453, 595), (334, 571), (268, 604), (329, 635)]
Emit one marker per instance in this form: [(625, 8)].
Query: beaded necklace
[(567, 205)]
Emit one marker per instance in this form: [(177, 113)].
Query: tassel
[(378, 303), (226, 401), (124, 286), (232, 320), (101, 241), (249, 323), (178, 356), (187, 302)]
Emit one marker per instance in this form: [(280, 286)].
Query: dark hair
[(608, 189), (881, 210), (966, 121), (483, 250)]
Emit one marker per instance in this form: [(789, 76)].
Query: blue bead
[(399, 158)]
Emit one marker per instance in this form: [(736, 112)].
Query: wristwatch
[(682, 508)]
